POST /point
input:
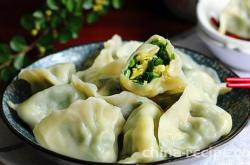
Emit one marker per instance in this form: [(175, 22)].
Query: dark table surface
[(137, 20)]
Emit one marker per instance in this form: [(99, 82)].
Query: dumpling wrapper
[(106, 78), (128, 102), (192, 72), (41, 104), (42, 78), (87, 130), (191, 125), (140, 144), (172, 79), (235, 18), (107, 66), (125, 100)]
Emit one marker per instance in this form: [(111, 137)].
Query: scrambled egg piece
[(144, 57), (139, 70), (159, 69)]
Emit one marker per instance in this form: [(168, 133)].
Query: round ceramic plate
[(236, 102)]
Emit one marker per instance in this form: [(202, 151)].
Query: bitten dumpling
[(41, 104), (87, 130), (190, 125), (42, 78), (154, 68), (235, 18), (140, 144)]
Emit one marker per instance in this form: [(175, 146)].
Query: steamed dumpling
[(127, 101), (191, 125), (42, 78), (87, 130), (41, 104), (203, 76), (205, 86), (154, 68), (235, 18), (86, 88), (105, 70), (140, 144), (106, 78)]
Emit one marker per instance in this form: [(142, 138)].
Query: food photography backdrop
[(30, 30)]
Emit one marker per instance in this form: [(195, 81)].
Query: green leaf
[(38, 14), (78, 7), (55, 21), (4, 74), (52, 4), (18, 43), (20, 61), (117, 4), (64, 35), (27, 22), (87, 4), (46, 40), (4, 49), (7, 73), (69, 5), (4, 58), (40, 23), (75, 23), (63, 13), (92, 17)]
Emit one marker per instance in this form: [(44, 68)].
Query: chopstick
[(238, 82)]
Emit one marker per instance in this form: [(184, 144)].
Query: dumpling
[(191, 125), (187, 62), (106, 78), (140, 144), (86, 88), (41, 104), (202, 75), (106, 69), (235, 18), (87, 130), (127, 101), (107, 54), (42, 78), (154, 68), (205, 86)]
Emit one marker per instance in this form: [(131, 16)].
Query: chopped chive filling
[(132, 63), (154, 67), (127, 73), (162, 51)]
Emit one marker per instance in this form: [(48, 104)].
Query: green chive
[(132, 63), (155, 75), (158, 61), (127, 73)]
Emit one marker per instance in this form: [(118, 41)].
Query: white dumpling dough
[(191, 125), (235, 18), (140, 144), (42, 78), (41, 104), (105, 70), (86, 130)]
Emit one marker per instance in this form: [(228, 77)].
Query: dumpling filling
[(146, 66)]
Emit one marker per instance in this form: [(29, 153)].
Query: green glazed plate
[(237, 102)]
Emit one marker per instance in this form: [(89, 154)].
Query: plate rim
[(75, 160)]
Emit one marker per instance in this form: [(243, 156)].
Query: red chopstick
[(238, 82)]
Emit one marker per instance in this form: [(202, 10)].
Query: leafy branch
[(56, 21)]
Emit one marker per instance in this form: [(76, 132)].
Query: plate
[(236, 102)]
